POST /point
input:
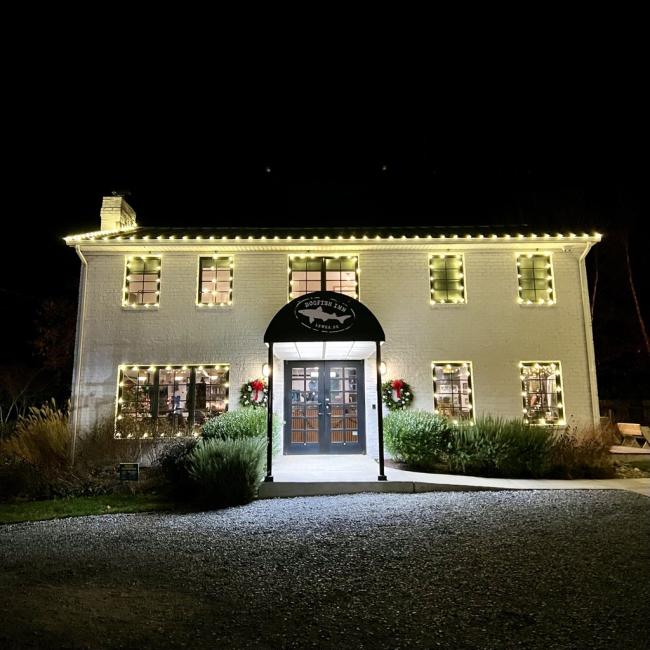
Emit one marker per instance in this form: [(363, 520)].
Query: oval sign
[(325, 315)]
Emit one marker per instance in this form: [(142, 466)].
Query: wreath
[(396, 394), (255, 393)]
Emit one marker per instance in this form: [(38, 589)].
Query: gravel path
[(451, 570)]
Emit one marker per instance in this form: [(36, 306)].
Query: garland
[(396, 394), (254, 393)]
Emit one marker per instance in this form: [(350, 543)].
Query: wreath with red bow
[(255, 393), (396, 394)]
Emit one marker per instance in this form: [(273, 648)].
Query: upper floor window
[(535, 275), (452, 389), (169, 400), (447, 279), (142, 283), (307, 274), (215, 281), (541, 391)]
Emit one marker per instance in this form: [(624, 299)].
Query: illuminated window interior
[(447, 279), (307, 274), (215, 281), (541, 391), (142, 287), (452, 390), (165, 401), (535, 275)]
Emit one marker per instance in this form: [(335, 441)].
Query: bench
[(632, 435)]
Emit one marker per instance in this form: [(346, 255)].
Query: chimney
[(116, 213)]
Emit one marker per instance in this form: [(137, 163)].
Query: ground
[(556, 569)]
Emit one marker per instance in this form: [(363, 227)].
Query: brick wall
[(491, 330)]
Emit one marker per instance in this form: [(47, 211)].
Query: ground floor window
[(165, 401), (452, 389), (541, 391)]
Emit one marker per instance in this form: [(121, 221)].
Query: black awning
[(324, 316)]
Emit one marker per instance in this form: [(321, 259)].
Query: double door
[(324, 407)]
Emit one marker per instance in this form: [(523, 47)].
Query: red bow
[(397, 385), (257, 385)]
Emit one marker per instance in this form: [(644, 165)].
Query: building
[(173, 321)]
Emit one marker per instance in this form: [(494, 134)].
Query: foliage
[(242, 423), (42, 440), (418, 438), (493, 446), (582, 453), (395, 387), (174, 464), (55, 324), (252, 388), (227, 472)]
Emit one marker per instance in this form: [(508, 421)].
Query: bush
[(582, 453), (41, 440), (240, 424), (174, 465), (227, 472), (494, 446), (418, 438)]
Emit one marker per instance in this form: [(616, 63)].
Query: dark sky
[(561, 156)]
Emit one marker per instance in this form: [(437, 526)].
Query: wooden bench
[(646, 434), (632, 435)]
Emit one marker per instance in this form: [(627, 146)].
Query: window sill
[(213, 307), (140, 308)]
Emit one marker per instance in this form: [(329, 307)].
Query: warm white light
[(266, 370), (383, 368)]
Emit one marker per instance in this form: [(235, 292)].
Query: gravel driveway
[(452, 570)]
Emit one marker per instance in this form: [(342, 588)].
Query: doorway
[(325, 407)]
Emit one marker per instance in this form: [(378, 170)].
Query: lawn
[(79, 506)]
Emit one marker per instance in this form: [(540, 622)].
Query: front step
[(323, 488)]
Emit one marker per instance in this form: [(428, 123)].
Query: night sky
[(208, 168)]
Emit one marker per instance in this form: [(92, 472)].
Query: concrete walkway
[(348, 474)]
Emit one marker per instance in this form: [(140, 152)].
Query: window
[(446, 278), (164, 401), (142, 284), (215, 281), (535, 275), (452, 389), (541, 391), (307, 274)]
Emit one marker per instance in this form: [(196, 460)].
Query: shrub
[(418, 438), (227, 472), (494, 446), (582, 453), (240, 424), (174, 465), (98, 447), (41, 440)]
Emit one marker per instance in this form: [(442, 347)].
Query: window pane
[(452, 390), (535, 279), (446, 277), (542, 392), (215, 281)]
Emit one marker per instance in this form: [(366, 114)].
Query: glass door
[(324, 407)]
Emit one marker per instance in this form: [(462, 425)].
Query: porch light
[(266, 370), (383, 369)]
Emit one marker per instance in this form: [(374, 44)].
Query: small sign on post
[(129, 471)]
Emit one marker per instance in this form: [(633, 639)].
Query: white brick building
[(477, 321)]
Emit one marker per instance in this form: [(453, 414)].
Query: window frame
[(556, 367), (550, 289), (199, 284), (323, 273), (126, 283), (148, 426), (470, 388), (432, 279)]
